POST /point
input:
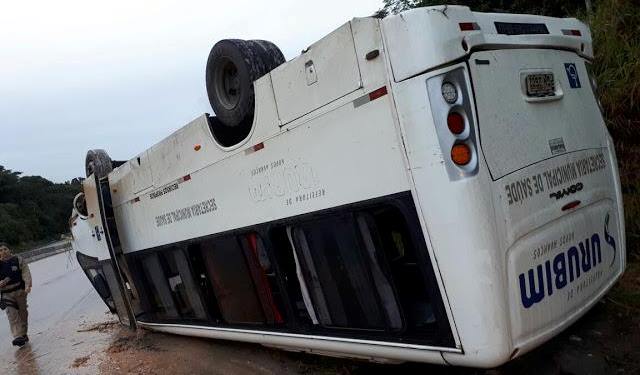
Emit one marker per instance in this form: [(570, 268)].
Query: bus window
[(160, 298), (379, 274), (338, 277), (414, 288), (181, 284), (231, 281), (284, 255), (93, 269), (263, 275), (202, 281)]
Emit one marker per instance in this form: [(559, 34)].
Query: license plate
[(540, 84)]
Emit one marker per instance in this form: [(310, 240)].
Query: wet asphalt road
[(61, 303)]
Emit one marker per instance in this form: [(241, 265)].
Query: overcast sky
[(122, 75)]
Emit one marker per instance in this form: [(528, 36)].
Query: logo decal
[(560, 271), (610, 240), (565, 268), (572, 74), (568, 191)]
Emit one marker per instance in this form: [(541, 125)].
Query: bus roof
[(441, 34)]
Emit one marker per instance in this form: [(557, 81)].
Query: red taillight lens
[(461, 154), (468, 26), (455, 122), (571, 32)]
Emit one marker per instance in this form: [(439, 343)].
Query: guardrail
[(45, 251)]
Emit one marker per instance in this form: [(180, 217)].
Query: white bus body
[(519, 242)]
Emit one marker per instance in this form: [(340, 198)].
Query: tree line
[(553, 8), (34, 209)]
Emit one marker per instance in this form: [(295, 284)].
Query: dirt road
[(71, 333)]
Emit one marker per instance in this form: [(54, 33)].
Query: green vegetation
[(33, 209), (615, 27)]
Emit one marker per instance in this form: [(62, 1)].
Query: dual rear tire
[(232, 68), (98, 162)]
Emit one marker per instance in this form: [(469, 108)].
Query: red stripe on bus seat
[(253, 244)]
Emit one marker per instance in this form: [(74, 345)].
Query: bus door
[(100, 255), (117, 269)]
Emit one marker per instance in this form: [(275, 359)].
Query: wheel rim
[(227, 83)]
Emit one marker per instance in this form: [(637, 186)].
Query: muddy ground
[(71, 333)]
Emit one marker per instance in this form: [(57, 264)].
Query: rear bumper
[(536, 232), (551, 331)]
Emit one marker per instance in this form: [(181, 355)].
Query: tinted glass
[(231, 281), (264, 277), (337, 274), (181, 284), (393, 237), (159, 296)]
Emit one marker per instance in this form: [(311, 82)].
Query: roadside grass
[(629, 166), (615, 26), (626, 295)]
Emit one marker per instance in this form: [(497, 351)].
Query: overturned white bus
[(437, 186)]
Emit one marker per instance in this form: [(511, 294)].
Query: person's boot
[(26, 338), (18, 341)]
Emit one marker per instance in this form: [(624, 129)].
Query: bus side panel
[(320, 164), (459, 220)]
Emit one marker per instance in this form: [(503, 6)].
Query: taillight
[(571, 32), (461, 154), (468, 26), (452, 109), (455, 123)]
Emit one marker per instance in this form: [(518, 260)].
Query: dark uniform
[(14, 296)]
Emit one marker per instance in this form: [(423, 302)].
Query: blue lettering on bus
[(540, 281), (610, 240)]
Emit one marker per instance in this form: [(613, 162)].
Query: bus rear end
[(515, 172), (556, 186)]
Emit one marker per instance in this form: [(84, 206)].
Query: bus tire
[(232, 67), (271, 54), (98, 162)]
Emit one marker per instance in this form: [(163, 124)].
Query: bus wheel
[(98, 162), (271, 54), (232, 67)]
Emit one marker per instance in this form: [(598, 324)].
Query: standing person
[(15, 284)]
